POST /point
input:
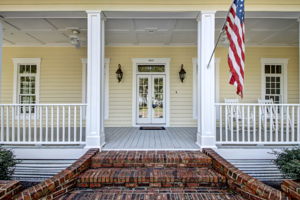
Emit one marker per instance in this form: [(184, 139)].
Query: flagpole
[(222, 31)]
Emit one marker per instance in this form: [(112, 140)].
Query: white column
[(95, 81), (206, 136), (1, 60)]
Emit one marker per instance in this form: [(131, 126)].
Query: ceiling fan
[(74, 39)]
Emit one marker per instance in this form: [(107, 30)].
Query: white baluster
[(80, 137), (19, 134), (259, 116), (57, 124), (276, 122), (271, 123), (226, 123), (46, 107), (221, 123), (2, 124), (7, 124), (69, 124), (13, 122), (293, 124), (231, 123), (287, 124), (254, 124), (243, 123), (41, 123), (282, 124), (75, 124), (52, 124), (248, 123), (35, 118), (63, 124)]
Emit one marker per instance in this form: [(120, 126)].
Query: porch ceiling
[(143, 28)]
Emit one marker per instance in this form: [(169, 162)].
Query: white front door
[(151, 103)]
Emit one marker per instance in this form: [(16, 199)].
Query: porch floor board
[(131, 138)]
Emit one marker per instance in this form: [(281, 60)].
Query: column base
[(92, 142), (206, 141)]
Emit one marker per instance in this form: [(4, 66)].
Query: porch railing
[(35, 124), (258, 124)]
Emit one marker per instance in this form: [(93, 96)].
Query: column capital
[(205, 12), (93, 11)]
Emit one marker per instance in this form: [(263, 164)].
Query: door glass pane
[(158, 98), (273, 88), (143, 97)]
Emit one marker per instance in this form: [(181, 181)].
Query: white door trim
[(162, 61), (280, 61)]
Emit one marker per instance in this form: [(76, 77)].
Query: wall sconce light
[(182, 73), (119, 73)]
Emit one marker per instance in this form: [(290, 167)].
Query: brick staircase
[(151, 175)]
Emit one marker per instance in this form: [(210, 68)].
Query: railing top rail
[(53, 104), (255, 104)]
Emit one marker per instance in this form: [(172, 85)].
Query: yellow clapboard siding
[(60, 79)]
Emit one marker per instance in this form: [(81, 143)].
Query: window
[(273, 80), (151, 68), (26, 82)]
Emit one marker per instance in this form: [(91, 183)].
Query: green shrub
[(288, 161), (7, 164)]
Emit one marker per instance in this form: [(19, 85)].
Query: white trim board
[(162, 61), (195, 83), (35, 61), (84, 82), (272, 61)]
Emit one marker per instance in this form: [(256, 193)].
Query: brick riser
[(153, 177), (154, 159), (153, 193)]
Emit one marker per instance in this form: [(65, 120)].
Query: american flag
[(235, 30)]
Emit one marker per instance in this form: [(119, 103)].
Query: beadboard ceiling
[(143, 29)]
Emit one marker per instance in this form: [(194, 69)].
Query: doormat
[(152, 128)]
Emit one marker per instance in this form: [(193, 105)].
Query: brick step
[(153, 177), (152, 193), (150, 159)]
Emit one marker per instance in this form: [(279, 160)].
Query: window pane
[(273, 69), (27, 69), (278, 69), (267, 69), (22, 69), (33, 69)]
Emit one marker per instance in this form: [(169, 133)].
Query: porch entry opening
[(151, 90)]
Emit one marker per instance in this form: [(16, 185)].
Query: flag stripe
[(235, 31)]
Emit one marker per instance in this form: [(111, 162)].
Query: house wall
[(61, 77)]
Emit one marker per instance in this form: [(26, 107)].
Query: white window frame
[(26, 61), (84, 85), (195, 84), (275, 61), (150, 61)]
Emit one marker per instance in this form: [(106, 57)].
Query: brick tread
[(110, 193), (155, 177), (150, 159)]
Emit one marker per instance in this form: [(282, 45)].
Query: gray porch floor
[(131, 138)]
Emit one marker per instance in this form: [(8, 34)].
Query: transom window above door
[(151, 68)]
